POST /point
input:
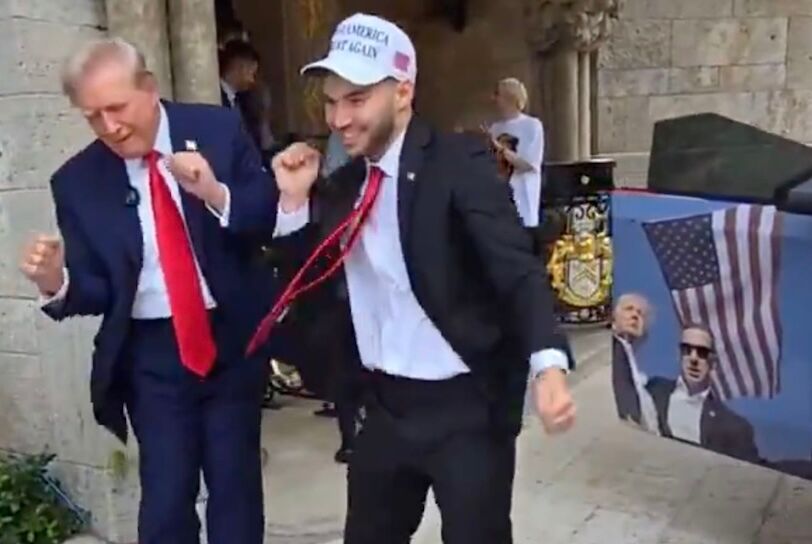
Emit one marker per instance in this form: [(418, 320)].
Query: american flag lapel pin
[(410, 176), (191, 145)]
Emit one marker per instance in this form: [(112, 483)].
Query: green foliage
[(30, 511)]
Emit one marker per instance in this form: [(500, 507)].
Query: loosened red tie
[(329, 249), (190, 319)]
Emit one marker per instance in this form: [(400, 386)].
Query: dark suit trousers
[(420, 435), (183, 425)]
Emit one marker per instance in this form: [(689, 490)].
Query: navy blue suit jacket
[(104, 247)]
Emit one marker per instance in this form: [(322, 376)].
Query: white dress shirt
[(393, 332), (151, 297), (685, 412)]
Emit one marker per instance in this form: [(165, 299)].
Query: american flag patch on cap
[(402, 61)]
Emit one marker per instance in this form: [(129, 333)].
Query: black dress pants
[(420, 435)]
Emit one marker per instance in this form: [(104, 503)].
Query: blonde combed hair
[(95, 53), (516, 90)]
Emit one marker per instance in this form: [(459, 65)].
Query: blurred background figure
[(518, 140), (239, 70)]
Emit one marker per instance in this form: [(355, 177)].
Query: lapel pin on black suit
[(410, 176), (191, 145)]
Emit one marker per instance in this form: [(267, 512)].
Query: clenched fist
[(554, 403), (193, 173), (296, 169), (42, 262)]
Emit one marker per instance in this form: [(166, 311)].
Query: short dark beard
[(381, 138)]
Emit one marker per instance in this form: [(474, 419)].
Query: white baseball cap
[(366, 49)]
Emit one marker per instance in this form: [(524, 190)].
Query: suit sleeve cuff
[(546, 359), (225, 215), (290, 222), (59, 296)]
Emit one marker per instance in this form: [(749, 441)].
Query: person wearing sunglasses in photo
[(688, 408)]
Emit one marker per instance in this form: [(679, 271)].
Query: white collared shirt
[(526, 186), (231, 94), (151, 297), (685, 412), (393, 332)]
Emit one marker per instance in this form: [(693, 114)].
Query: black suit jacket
[(470, 261), (721, 430), (627, 401), (104, 246)]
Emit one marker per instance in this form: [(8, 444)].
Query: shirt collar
[(513, 117), (231, 94), (390, 162), (163, 139), (682, 387)]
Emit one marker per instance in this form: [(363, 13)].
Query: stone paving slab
[(602, 483), (607, 483)]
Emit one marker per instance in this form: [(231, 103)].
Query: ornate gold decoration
[(580, 266), (581, 24)]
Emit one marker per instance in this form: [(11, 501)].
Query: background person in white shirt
[(510, 99), (449, 304)]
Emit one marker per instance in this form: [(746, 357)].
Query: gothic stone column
[(563, 33), (584, 104), (143, 22), (193, 33)]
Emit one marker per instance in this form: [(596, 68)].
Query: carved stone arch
[(564, 34)]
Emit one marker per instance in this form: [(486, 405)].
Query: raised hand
[(192, 172), (295, 169), (43, 261)]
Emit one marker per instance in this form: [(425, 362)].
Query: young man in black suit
[(450, 307)]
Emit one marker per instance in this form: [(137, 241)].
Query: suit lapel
[(344, 187), (341, 190), (410, 182), (118, 209), (193, 209)]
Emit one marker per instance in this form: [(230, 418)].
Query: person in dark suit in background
[(688, 408), (450, 308), (151, 216), (324, 318), (239, 68)]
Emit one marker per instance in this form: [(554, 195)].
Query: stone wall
[(44, 391), (458, 70), (750, 60)]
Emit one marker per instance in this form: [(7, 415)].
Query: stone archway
[(561, 36)]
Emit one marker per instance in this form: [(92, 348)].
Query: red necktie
[(330, 249), (189, 316)]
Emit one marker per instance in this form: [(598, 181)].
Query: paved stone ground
[(602, 483)]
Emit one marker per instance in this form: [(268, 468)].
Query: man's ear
[(405, 94), (146, 81)]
